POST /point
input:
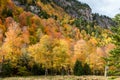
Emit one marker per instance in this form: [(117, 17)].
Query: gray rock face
[(103, 21), (75, 9), (34, 9), (18, 3)]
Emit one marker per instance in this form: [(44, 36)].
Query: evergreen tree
[(117, 19), (114, 58), (78, 68), (87, 70), (6, 69)]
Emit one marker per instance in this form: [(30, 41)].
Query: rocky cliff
[(103, 21), (78, 9), (74, 8)]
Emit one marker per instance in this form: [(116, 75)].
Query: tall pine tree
[(78, 68), (114, 58), (87, 70)]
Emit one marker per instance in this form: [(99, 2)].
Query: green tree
[(117, 19), (6, 69), (87, 70), (78, 68), (114, 58), (80, 23)]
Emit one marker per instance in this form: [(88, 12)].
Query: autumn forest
[(41, 37)]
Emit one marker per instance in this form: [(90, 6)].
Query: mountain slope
[(74, 8), (78, 9), (46, 35)]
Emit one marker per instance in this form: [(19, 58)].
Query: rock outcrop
[(74, 8)]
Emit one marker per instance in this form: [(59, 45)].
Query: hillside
[(48, 36), (74, 8)]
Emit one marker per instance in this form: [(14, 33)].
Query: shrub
[(23, 71), (6, 69)]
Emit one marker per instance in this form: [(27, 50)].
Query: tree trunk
[(106, 68)]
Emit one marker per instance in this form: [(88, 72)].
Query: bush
[(6, 69), (23, 71)]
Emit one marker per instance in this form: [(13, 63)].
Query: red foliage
[(24, 17), (8, 21), (0, 21)]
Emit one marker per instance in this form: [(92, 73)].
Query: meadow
[(61, 78)]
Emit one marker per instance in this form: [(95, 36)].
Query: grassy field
[(60, 78)]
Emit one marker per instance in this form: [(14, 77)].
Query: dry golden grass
[(57, 78)]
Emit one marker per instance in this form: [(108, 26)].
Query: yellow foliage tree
[(51, 53), (11, 48)]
